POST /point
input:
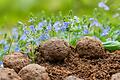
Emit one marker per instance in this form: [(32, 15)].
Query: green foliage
[(12, 11)]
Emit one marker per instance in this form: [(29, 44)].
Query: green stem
[(10, 46)]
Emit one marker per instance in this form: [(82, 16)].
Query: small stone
[(115, 76), (16, 61), (72, 78), (33, 72), (8, 74)]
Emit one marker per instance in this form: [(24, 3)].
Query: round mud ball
[(33, 72), (16, 61), (72, 78), (53, 50), (90, 47), (115, 76), (8, 74)]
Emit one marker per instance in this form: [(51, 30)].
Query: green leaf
[(112, 45)]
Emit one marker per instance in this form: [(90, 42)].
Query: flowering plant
[(26, 37)]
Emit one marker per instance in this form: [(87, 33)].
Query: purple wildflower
[(56, 26), (95, 23), (26, 32), (23, 37), (40, 25), (105, 31), (37, 41), (17, 49), (65, 26), (103, 5), (49, 27), (3, 41), (32, 28), (15, 33), (44, 37), (91, 19), (6, 47), (86, 31)]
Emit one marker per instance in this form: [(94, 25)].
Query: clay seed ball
[(90, 47), (16, 61), (8, 74), (115, 76), (72, 78), (33, 72), (54, 50)]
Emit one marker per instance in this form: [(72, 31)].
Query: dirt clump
[(16, 61), (72, 78), (53, 50), (8, 74), (115, 76), (83, 68), (93, 64), (90, 47), (33, 72)]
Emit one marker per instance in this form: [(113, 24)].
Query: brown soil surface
[(83, 67), (117, 52)]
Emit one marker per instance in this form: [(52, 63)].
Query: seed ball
[(54, 50), (8, 74), (90, 47), (33, 72), (16, 61), (72, 78), (115, 76)]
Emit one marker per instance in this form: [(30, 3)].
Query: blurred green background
[(11, 11)]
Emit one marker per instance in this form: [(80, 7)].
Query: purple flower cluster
[(29, 36), (104, 6), (94, 22), (105, 31)]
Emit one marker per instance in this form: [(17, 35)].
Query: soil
[(54, 50), (117, 52), (90, 47), (33, 72), (83, 67), (16, 61), (8, 74)]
